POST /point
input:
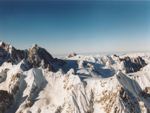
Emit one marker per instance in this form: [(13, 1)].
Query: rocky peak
[(132, 64), (37, 55), (4, 52)]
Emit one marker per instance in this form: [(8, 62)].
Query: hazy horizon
[(63, 27)]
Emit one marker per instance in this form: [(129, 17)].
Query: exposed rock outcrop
[(35, 57), (4, 53), (6, 100), (9, 53), (38, 56), (132, 64)]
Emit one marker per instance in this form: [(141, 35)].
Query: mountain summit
[(35, 56), (33, 81)]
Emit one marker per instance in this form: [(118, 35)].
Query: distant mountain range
[(33, 81)]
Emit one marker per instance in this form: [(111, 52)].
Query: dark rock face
[(10, 54), (38, 56), (17, 55), (34, 57), (6, 100), (133, 64), (3, 56)]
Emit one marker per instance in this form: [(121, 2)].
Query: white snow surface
[(79, 91)]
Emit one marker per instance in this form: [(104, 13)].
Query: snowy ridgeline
[(32, 81)]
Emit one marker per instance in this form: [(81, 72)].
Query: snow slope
[(76, 84)]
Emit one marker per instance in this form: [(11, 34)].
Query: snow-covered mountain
[(33, 81)]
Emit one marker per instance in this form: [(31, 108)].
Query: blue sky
[(78, 26)]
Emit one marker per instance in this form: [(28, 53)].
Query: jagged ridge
[(35, 56), (32, 81)]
